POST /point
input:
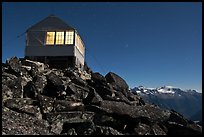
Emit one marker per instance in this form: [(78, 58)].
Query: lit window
[(50, 38), (59, 38), (69, 37)]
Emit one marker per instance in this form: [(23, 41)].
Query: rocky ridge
[(40, 100)]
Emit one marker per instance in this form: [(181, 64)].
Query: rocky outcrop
[(40, 100)]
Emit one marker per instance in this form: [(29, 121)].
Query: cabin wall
[(49, 51), (36, 38), (55, 55)]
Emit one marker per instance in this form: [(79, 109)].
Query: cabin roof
[(50, 23)]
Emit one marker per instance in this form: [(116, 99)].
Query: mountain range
[(186, 102)]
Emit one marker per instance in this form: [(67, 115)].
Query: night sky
[(149, 44)]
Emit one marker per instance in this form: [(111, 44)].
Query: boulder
[(93, 97), (147, 113), (6, 93), (14, 123), (29, 90), (118, 83), (40, 66), (98, 79), (54, 85), (66, 106), (101, 130), (14, 65), (24, 105), (40, 82), (16, 87), (46, 103)]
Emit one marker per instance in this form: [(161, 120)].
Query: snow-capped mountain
[(187, 102)]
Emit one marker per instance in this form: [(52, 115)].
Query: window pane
[(59, 38), (50, 38), (69, 37)]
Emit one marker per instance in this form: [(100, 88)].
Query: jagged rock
[(16, 87), (24, 105), (93, 97), (100, 130), (65, 106), (78, 91), (157, 130), (79, 81), (46, 103), (147, 113), (56, 127), (99, 79), (14, 123), (120, 97), (14, 65), (176, 117), (103, 91), (178, 129), (78, 120), (7, 76), (71, 117), (71, 132), (29, 90), (40, 66), (6, 93), (54, 85), (55, 80), (40, 100), (117, 82), (40, 82), (109, 121), (142, 129)]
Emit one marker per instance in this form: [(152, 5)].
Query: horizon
[(146, 43)]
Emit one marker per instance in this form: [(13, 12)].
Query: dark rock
[(64, 121), (77, 91), (93, 97), (69, 72), (16, 87), (100, 130), (71, 89), (98, 79), (176, 117), (71, 117), (40, 67), (147, 113), (40, 100), (157, 130), (55, 80), (178, 129), (40, 82), (79, 81), (54, 86), (117, 82), (24, 105), (6, 93), (14, 65), (65, 106), (29, 90), (142, 129), (14, 123), (46, 103), (103, 91), (109, 121)]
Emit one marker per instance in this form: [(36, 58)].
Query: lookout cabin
[(54, 42)]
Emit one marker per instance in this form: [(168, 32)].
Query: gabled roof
[(50, 23)]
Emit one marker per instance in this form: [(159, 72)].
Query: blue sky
[(149, 44)]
